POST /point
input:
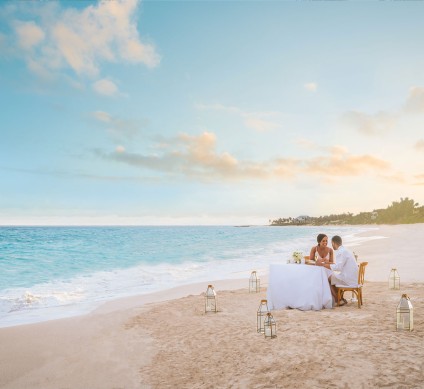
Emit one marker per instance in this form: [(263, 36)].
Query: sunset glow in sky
[(189, 112)]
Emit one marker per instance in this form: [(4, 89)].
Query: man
[(346, 266)]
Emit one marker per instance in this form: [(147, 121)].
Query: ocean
[(54, 272)]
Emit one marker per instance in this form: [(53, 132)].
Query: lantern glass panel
[(405, 314), (394, 279), (270, 327), (210, 299), (261, 315), (254, 283)]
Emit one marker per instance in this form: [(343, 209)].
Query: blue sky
[(127, 112)]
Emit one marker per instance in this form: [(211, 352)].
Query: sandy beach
[(165, 340)]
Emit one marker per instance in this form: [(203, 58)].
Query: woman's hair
[(320, 237)]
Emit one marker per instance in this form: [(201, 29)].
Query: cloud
[(192, 156), (196, 157), (119, 129), (102, 116), (339, 163), (419, 145), (105, 87), (420, 179), (398, 178), (259, 125), (28, 34), (306, 144), (415, 101), (80, 39), (367, 124), (311, 86), (383, 122), (257, 121)]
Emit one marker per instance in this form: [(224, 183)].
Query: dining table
[(299, 286)]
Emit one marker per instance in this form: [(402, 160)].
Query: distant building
[(374, 215), (301, 219)]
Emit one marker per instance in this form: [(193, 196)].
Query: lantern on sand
[(270, 327), (210, 300), (394, 279), (404, 314), (254, 283), (261, 315)]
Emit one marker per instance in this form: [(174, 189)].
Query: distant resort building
[(301, 219)]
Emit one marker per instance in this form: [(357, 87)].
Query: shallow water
[(52, 272)]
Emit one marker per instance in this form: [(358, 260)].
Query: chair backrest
[(361, 273)]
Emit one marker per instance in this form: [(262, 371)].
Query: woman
[(321, 251)]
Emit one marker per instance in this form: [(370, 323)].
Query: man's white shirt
[(346, 265)]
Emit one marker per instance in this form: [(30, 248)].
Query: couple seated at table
[(345, 266)]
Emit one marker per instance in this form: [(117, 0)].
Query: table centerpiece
[(297, 256)]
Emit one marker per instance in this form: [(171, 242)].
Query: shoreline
[(233, 284), (139, 346), (136, 342), (368, 250), (83, 295)]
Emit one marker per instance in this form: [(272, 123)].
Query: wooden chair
[(356, 289)]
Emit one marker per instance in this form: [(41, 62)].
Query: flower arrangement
[(297, 256)]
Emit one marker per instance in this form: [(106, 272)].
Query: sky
[(208, 112)]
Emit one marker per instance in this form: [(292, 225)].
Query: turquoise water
[(49, 272)]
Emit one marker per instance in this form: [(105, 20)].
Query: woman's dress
[(318, 256)]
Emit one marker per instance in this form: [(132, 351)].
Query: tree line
[(405, 211)]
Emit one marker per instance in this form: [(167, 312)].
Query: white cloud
[(340, 163), (102, 116), (370, 124), (258, 124), (29, 34), (196, 157), (119, 129), (415, 101), (81, 39), (311, 86), (382, 122), (258, 121), (306, 143), (105, 87), (120, 149)]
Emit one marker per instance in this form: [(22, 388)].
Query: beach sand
[(165, 340)]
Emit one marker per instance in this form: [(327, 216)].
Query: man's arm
[(341, 260)]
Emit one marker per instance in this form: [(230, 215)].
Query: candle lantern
[(254, 283), (261, 315), (394, 279), (270, 327), (404, 314), (210, 300)]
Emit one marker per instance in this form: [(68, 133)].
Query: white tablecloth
[(303, 287)]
